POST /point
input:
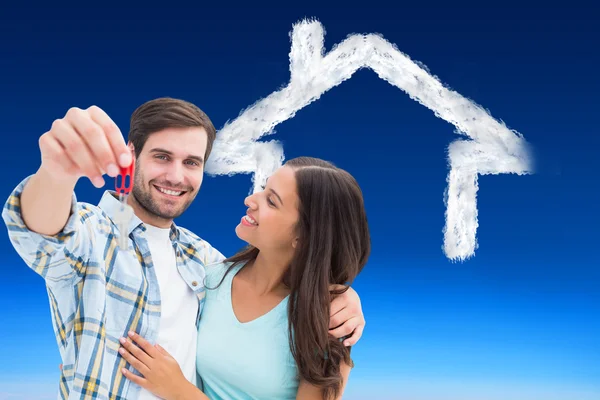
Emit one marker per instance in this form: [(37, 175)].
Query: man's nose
[(175, 173)]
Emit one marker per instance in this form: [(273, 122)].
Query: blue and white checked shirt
[(98, 292)]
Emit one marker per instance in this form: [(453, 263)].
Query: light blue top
[(238, 360)]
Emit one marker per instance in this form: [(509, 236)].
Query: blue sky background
[(519, 321)]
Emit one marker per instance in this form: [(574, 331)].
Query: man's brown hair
[(166, 112)]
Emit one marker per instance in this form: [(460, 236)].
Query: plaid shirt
[(98, 292)]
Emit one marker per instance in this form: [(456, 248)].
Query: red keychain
[(124, 188), (125, 212)]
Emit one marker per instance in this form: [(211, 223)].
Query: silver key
[(123, 217)]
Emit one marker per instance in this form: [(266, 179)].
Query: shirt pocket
[(127, 299)]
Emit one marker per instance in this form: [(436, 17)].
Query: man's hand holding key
[(84, 143)]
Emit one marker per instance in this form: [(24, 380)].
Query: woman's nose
[(250, 202)]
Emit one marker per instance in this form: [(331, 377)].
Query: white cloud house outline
[(490, 147)]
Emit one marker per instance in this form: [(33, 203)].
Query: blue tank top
[(238, 360)]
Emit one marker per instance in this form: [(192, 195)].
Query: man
[(98, 291)]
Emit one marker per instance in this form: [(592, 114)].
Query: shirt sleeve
[(212, 255), (207, 253), (57, 258)]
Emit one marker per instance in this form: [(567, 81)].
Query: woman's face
[(272, 215)]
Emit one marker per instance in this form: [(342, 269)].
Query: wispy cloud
[(490, 147)]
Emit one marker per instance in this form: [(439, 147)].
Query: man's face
[(169, 172)]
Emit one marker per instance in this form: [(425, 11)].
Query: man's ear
[(132, 149)]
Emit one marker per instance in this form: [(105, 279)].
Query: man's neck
[(145, 216)]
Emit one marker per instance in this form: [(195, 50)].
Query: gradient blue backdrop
[(518, 321)]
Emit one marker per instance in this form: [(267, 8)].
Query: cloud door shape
[(487, 146)]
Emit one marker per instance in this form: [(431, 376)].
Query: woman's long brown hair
[(333, 247)]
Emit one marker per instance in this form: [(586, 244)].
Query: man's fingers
[(356, 335), (121, 153), (95, 139), (339, 318), (336, 286), (337, 304), (134, 361), (54, 150), (76, 149), (345, 329), (85, 143)]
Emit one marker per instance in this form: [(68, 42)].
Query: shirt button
[(194, 283)]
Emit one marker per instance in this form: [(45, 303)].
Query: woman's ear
[(295, 243)]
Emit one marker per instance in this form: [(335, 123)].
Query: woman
[(306, 230)]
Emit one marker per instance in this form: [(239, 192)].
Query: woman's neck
[(266, 272)]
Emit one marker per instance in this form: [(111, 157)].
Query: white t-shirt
[(179, 306)]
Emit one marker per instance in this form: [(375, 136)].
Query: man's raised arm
[(83, 143), (48, 228)]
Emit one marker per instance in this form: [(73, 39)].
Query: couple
[(169, 317)]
